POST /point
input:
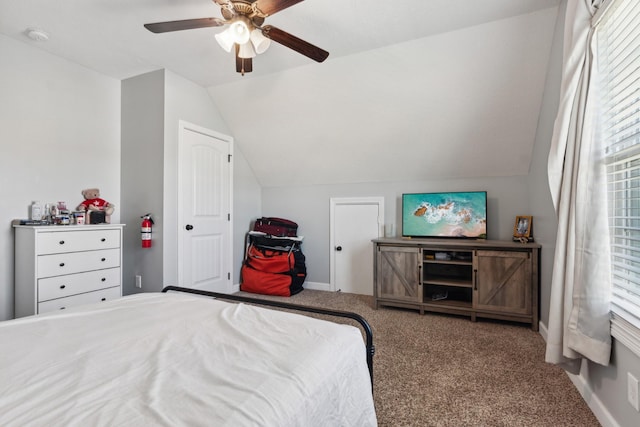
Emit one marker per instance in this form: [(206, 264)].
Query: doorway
[(204, 215), (354, 222)]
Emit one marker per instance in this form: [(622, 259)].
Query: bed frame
[(316, 310)]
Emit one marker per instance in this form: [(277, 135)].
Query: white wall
[(309, 207), (143, 104), (184, 100), (153, 105), (59, 134), (545, 218), (452, 105), (60, 127), (247, 206)]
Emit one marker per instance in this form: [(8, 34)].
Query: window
[(618, 65)]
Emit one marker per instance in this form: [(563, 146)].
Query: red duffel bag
[(260, 282), (270, 261)]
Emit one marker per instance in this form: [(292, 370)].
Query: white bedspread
[(181, 360)]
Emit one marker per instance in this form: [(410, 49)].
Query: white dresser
[(57, 267)]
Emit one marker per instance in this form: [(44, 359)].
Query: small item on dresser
[(96, 217), (46, 213), (99, 210), (36, 211), (78, 218), (52, 211), (30, 222), (57, 213)]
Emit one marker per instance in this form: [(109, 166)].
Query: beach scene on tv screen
[(445, 215)]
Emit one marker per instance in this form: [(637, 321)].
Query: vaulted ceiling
[(412, 89)]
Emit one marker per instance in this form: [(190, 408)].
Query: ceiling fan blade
[(293, 42), (186, 24), (269, 7), (243, 65)]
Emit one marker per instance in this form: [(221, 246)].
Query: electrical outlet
[(632, 391), (139, 285)]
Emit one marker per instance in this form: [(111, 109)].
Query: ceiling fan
[(245, 32)]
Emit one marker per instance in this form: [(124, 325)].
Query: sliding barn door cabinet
[(475, 278)]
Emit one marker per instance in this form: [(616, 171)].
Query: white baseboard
[(579, 381), (542, 328), (595, 404), (317, 286)]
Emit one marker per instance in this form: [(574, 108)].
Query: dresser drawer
[(71, 284), (56, 242), (80, 299), (77, 262)]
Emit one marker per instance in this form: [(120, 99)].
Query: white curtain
[(580, 288)]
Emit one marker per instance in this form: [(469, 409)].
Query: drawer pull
[(103, 279), (104, 299), (104, 259), (63, 286), (62, 264), (103, 240), (61, 242), (62, 308)]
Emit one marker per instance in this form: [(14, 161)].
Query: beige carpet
[(441, 370)]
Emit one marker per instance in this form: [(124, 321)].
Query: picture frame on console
[(523, 229)]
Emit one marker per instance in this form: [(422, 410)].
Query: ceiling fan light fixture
[(246, 51), (239, 31), (225, 40), (259, 41)]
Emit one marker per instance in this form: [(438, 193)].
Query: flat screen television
[(461, 214)]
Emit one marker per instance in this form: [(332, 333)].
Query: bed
[(184, 359)]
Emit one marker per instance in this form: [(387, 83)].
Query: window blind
[(618, 65)]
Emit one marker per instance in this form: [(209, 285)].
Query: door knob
[(338, 248), (189, 227)]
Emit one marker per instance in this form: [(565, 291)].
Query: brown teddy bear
[(92, 203)]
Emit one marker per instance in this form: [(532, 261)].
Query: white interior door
[(205, 249), (354, 222)]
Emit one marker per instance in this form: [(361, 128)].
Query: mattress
[(177, 360)]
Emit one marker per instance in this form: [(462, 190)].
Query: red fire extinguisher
[(146, 228)]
